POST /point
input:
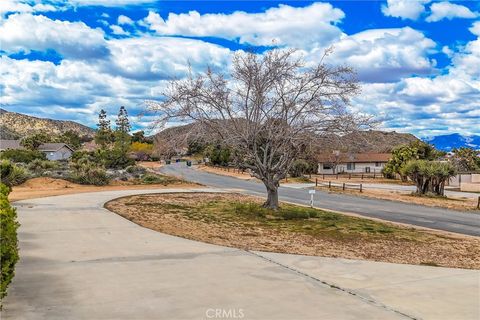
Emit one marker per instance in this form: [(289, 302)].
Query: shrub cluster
[(23, 156), (85, 171), (150, 178), (8, 240), (39, 166), (12, 175)]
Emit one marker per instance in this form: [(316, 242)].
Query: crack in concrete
[(335, 287)]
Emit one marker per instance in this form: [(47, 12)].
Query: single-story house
[(352, 162), (53, 151)]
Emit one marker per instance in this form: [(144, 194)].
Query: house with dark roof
[(338, 162), (53, 151)]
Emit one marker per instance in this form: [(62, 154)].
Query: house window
[(327, 166), (367, 169), (350, 166), (377, 164)]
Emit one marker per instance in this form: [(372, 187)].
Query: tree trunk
[(272, 194)]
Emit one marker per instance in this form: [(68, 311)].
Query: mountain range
[(455, 140), (15, 125)]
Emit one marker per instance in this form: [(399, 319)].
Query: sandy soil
[(150, 164), (45, 187), (463, 204), (230, 173), (163, 213)]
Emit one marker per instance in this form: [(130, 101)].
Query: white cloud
[(153, 58), (475, 28), (109, 3), (447, 10), (405, 9), (381, 55), (285, 25), (16, 6), (26, 32), (118, 30), (124, 20)]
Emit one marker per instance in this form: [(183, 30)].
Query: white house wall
[(61, 154), (360, 167)]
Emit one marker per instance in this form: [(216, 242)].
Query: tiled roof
[(355, 157)]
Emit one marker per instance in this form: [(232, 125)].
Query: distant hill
[(371, 141), (454, 140), (16, 125)]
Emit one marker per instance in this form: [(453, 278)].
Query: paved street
[(435, 218), (81, 261)]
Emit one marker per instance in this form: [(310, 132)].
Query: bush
[(87, 172), (429, 176), (12, 175), (24, 156), (39, 166), (135, 170), (8, 240), (299, 168), (115, 159), (150, 178)]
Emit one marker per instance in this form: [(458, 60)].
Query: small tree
[(268, 108), (404, 153), (71, 138), (122, 131), (466, 159), (429, 176), (34, 141), (103, 136)]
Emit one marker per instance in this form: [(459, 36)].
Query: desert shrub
[(8, 240), (40, 166), (85, 171), (135, 170), (299, 168), (23, 156), (115, 159), (150, 178), (11, 174)]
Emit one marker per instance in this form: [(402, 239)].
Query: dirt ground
[(194, 216), (46, 187), (463, 204), (231, 172)]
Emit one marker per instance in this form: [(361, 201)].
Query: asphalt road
[(467, 223), (81, 261)]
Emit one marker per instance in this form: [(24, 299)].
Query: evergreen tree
[(122, 131), (103, 137)]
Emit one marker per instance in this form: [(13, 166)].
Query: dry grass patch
[(239, 221), (463, 204)]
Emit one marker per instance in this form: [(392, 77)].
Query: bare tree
[(268, 108)]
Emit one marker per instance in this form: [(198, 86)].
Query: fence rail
[(366, 175), (344, 186)]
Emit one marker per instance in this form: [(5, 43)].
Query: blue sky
[(418, 60)]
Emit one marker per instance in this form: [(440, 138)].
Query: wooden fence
[(344, 186)]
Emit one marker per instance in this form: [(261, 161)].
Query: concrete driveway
[(80, 261)]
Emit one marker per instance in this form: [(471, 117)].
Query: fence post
[(323, 176), (316, 182), (344, 186), (360, 188), (349, 176), (478, 203), (329, 184), (337, 175), (362, 176)]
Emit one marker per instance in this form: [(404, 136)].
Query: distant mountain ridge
[(15, 125), (455, 140)]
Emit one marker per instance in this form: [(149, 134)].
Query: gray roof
[(10, 144), (45, 147)]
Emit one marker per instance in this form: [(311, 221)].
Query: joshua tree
[(268, 108)]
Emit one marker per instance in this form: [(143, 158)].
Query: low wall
[(470, 187)]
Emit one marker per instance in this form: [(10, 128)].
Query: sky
[(418, 60)]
